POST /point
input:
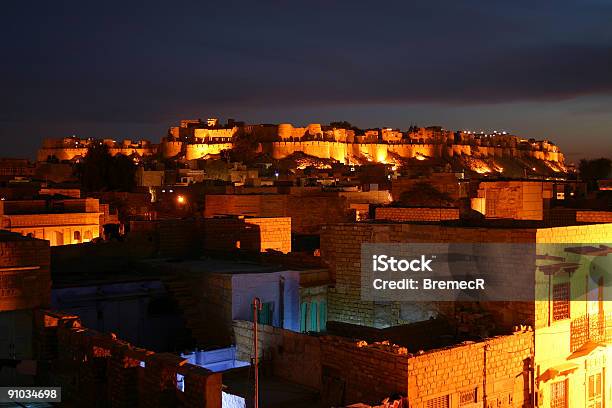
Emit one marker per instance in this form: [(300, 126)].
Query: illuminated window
[(561, 301), (77, 236), (180, 382), (88, 235)]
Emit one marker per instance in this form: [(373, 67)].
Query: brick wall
[(594, 216), (416, 214), (101, 370)]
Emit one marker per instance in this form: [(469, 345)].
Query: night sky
[(130, 69)]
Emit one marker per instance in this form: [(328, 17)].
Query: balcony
[(592, 327)]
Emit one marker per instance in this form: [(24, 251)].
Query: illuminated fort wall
[(383, 152), (284, 140), (199, 150)]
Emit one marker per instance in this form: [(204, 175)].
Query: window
[(77, 236), (439, 402), (88, 235), (180, 382), (595, 389), (322, 315), (558, 394), (561, 301), (468, 397), (303, 316), (313, 327)]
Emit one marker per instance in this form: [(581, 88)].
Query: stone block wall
[(257, 205), (274, 233), (215, 309), (492, 373), (295, 357), (416, 214), (252, 234), (594, 216), (341, 251), (366, 372), (308, 212), (25, 278), (345, 371)]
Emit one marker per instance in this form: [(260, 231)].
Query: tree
[(593, 170), (423, 194), (346, 125), (99, 171), (244, 150)]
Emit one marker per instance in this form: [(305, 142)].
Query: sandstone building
[(59, 221)]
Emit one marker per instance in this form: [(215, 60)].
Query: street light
[(180, 199)]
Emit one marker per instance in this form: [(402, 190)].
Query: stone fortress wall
[(71, 148), (195, 139)]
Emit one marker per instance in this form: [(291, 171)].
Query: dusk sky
[(131, 69)]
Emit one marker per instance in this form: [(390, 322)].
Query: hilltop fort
[(339, 141)]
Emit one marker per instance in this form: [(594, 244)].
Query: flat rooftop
[(214, 265), (7, 236)]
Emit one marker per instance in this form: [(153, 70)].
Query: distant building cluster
[(196, 139)]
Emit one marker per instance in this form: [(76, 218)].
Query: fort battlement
[(195, 139)]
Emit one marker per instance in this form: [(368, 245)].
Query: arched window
[(77, 236), (88, 235)]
